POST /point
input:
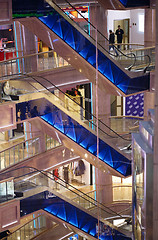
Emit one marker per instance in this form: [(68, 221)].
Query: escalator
[(135, 3), (59, 205), (34, 228), (123, 4), (59, 112), (58, 30)]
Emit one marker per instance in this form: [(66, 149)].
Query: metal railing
[(121, 194), (47, 90), (24, 150), (127, 60), (125, 124), (31, 63), (31, 229), (31, 177)]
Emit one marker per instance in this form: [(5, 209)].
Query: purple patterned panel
[(134, 105)]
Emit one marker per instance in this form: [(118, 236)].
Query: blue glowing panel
[(87, 50), (73, 130), (135, 3), (69, 214), (88, 141)]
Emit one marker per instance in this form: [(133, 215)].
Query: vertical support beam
[(104, 107), (149, 99), (155, 163), (104, 186), (98, 17), (150, 28)]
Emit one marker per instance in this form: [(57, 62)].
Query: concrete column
[(103, 180), (104, 187), (98, 17), (150, 28), (104, 107), (149, 99)]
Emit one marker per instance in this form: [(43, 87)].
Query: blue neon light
[(135, 3), (69, 214), (88, 141), (16, 47), (76, 132)]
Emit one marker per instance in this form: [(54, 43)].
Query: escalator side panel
[(135, 3), (76, 132), (87, 50), (88, 140), (69, 214)]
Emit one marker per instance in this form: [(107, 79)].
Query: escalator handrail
[(94, 28), (126, 55), (76, 189), (31, 139), (33, 77), (11, 234), (74, 102), (86, 32)]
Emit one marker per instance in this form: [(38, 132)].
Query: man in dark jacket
[(112, 41), (119, 32)]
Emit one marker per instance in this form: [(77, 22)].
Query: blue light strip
[(69, 214), (21, 47), (17, 53), (89, 21), (135, 3), (76, 132)]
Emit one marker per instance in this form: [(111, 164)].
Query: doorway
[(116, 105), (124, 23)]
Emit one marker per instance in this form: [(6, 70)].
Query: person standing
[(119, 33), (112, 41)]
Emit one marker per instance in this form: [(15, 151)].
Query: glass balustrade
[(69, 104), (31, 63), (141, 61), (47, 179), (120, 194), (125, 124), (49, 98), (33, 179), (51, 143), (31, 229), (86, 204), (24, 150), (6, 190)]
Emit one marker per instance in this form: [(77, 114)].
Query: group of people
[(74, 91), (119, 33)]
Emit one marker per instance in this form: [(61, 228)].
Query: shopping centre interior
[(77, 120)]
